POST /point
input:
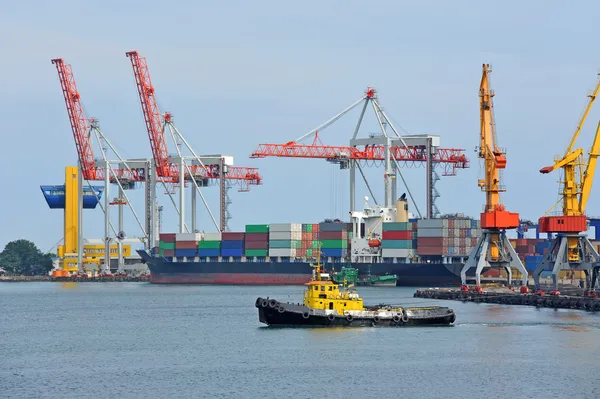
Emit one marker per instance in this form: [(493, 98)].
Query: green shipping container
[(209, 244), (297, 244), (256, 252), (315, 244), (334, 244), (397, 226), (309, 252), (309, 228), (396, 244), (257, 228), (166, 245)]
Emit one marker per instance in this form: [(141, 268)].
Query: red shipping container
[(256, 244), (315, 228), (186, 245), (256, 236), (430, 250), (229, 236), (167, 237), (397, 235), (169, 252), (333, 235), (463, 242), (463, 233), (450, 223), (430, 242)]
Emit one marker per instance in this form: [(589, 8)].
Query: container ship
[(378, 241)]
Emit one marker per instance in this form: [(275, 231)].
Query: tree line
[(23, 258)]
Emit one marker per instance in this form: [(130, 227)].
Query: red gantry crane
[(493, 248), (125, 177), (391, 150), (197, 169)]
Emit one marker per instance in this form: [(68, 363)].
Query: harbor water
[(138, 340)]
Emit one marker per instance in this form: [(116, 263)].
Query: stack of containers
[(397, 240), (334, 239), (256, 240), (451, 236), (309, 241), (285, 239), (166, 244), (186, 244), (210, 245), (232, 244)]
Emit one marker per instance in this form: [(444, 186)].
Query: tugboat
[(329, 304)]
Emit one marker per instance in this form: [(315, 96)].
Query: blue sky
[(236, 74)]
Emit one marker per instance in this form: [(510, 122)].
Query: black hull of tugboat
[(284, 314)]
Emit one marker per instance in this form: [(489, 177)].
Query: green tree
[(22, 257)]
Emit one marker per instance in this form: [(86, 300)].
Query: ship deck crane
[(493, 248), (570, 249), (181, 169), (389, 149), (92, 169)]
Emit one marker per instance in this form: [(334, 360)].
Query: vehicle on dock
[(327, 303)]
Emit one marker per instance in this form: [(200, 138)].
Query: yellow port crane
[(493, 248), (571, 250)]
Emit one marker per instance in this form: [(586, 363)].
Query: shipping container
[(430, 232), (188, 236), (256, 237), (256, 245), (257, 228), (396, 226), (256, 252), (334, 244), (431, 250), (167, 237), (168, 252), (209, 252), (236, 252), (166, 245), (332, 227), (209, 244), (333, 235), (283, 252), (397, 235), (431, 242), (239, 244), (431, 223), (333, 252), (284, 227), (275, 244), (212, 236), (396, 253), (186, 244), (285, 235), (230, 236), (396, 244), (189, 253)]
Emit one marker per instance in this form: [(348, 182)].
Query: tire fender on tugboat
[(376, 319), (305, 315), (331, 317), (349, 317)]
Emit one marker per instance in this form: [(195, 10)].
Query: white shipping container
[(424, 232), (285, 227), (188, 236), (212, 236), (284, 252), (396, 253), (280, 235), (456, 242), (430, 223)]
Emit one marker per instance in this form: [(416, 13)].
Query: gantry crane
[(391, 150), (178, 170), (84, 128), (570, 249), (493, 248)]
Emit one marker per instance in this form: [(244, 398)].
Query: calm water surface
[(137, 340)]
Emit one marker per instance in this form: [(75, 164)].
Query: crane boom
[(152, 115), (494, 217), (77, 119)]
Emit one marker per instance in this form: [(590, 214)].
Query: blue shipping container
[(237, 244), (211, 252), (468, 233), (540, 247), (332, 226), (186, 252), (473, 223), (334, 252), (232, 251)]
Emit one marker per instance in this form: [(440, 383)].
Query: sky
[(236, 74)]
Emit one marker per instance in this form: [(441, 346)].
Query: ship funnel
[(402, 209)]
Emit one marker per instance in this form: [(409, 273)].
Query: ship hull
[(284, 314), (164, 271)]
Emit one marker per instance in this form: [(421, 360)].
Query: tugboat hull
[(275, 313)]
